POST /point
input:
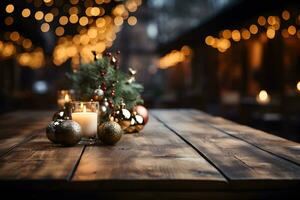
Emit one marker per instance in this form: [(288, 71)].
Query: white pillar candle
[(88, 123)]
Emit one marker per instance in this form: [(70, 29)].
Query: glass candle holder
[(86, 114), (63, 97)]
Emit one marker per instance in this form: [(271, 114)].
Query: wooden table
[(180, 154)]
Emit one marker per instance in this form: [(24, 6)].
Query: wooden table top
[(180, 153)]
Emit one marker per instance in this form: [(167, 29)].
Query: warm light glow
[(63, 20), (26, 12), (236, 36), (9, 21), (27, 44), (67, 98), (14, 36), (271, 20), (49, 17), (292, 30), (298, 86), (83, 21), (285, 15), (39, 15), (298, 34), (245, 34), (174, 57), (118, 21), (226, 34), (132, 20), (73, 19), (33, 60), (45, 27), (253, 29), (261, 20), (74, 2), (92, 32), (263, 97), (285, 33), (270, 33), (84, 108), (10, 8), (100, 22), (209, 40), (59, 31), (73, 10)]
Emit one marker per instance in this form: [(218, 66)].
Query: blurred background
[(234, 58)]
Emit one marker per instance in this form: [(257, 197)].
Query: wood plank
[(18, 127), (237, 159), (19, 118), (156, 156), (276, 145), (38, 159)]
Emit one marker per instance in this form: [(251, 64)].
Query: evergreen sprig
[(88, 78)]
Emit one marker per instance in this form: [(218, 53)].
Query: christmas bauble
[(51, 131), (131, 128), (122, 117), (139, 122), (68, 132), (142, 111), (110, 132), (61, 114), (103, 110), (98, 94)]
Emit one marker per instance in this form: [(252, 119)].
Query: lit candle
[(64, 97), (88, 121)]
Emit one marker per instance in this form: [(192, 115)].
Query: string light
[(83, 21), (96, 32), (10, 8), (175, 57), (292, 30), (132, 20), (270, 32), (261, 20), (285, 15), (59, 31), (14, 36), (253, 29), (73, 19), (45, 27), (26, 12), (63, 20), (27, 44), (245, 34), (9, 21), (236, 36), (39, 15), (49, 17)]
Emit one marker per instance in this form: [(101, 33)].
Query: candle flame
[(84, 108), (81, 105), (67, 98)]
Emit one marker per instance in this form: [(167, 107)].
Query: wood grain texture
[(276, 145), (39, 159), (18, 127), (237, 159), (154, 154)]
